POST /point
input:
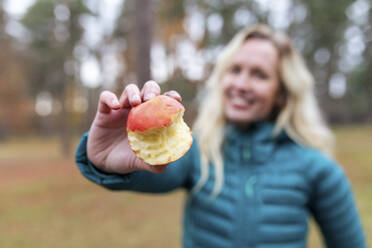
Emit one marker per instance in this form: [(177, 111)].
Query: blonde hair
[(299, 116)]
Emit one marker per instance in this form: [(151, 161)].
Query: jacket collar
[(259, 137), (259, 131)]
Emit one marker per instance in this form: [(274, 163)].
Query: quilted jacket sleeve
[(176, 175), (333, 207)]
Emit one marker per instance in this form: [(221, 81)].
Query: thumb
[(158, 169)]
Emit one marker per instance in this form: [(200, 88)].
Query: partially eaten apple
[(156, 131)]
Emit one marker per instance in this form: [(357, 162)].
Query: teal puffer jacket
[(271, 187)]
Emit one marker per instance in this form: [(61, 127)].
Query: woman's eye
[(235, 69), (260, 74)]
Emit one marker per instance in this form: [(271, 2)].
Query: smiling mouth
[(240, 103)]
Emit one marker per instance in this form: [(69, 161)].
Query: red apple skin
[(157, 112)]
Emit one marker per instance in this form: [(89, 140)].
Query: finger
[(158, 169), (134, 95), (174, 94), (107, 101), (150, 90), (130, 97), (141, 165)]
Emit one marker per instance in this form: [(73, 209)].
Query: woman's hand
[(108, 146)]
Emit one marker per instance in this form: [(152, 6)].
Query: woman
[(258, 165)]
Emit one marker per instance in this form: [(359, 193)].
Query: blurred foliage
[(360, 93), (51, 47), (334, 37), (15, 112), (52, 43)]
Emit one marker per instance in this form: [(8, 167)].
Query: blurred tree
[(135, 27), (326, 23), (55, 31), (184, 35), (124, 32), (2, 20), (15, 105), (169, 31), (359, 93), (143, 20)]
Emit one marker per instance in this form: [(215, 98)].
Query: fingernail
[(175, 95), (115, 102), (149, 96), (137, 98)]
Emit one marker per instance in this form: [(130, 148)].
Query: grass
[(354, 153), (47, 203)]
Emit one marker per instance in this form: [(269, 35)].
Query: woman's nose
[(242, 82)]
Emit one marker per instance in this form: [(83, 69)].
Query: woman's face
[(251, 83)]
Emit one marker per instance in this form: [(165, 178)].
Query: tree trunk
[(143, 23), (65, 131)]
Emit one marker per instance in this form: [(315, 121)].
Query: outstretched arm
[(176, 175), (334, 209), (104, 155)]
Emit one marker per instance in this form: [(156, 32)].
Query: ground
[(47, 203)]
